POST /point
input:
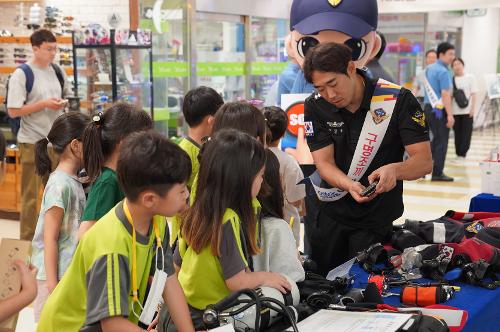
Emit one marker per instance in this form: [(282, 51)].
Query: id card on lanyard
[(159, 279)]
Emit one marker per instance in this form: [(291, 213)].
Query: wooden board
[(10, 187), (10, 280)]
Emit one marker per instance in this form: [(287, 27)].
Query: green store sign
[(170, 69), (220, 68), (268, 68), (181, 69)]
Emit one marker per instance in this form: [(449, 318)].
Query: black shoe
[(442, 178)]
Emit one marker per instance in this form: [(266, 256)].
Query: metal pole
[(75, 66), (190, 42), (426, 23), (151, 86), (113, 65), (248, 55)]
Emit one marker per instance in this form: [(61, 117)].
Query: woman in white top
[(463, 116)]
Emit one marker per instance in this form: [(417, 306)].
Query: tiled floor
[(424, 200)]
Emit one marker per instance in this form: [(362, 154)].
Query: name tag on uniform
[(336, 128)]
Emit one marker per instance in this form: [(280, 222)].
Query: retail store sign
[(170, 69), (268, 68), (414, 6), (220, 68)]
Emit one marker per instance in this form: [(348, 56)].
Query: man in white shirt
[(38, 110)]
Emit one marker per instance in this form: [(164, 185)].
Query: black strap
[(60, 77), (454, 84)]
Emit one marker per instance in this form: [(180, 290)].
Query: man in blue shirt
[(437, 107)]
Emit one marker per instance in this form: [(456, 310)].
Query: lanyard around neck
[(135, 288)]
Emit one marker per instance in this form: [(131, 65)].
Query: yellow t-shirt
[(193, 150), (100, 275), (203, 276)]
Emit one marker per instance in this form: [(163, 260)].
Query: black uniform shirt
[(326, 125)]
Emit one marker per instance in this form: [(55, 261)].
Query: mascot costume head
[(314, 22), (349, 22)]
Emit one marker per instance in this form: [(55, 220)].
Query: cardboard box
[(490, 177), (10, 280)]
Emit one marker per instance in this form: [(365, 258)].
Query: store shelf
[(10, 1), (10, 70), (80, 46), (126, 47), (26, 40), (131, 47)]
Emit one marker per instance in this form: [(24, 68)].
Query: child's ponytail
[(93, 156), (43, 164)]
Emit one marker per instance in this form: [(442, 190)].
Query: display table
[(483, 305), (485, 203)]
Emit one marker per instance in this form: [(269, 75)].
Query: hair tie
[(97, 118), (48, 141)]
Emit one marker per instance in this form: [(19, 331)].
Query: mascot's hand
[(302, 153)]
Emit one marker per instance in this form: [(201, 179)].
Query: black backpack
[(459, 96), (15, 123)]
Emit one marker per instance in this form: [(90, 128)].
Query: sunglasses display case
[(112, 66)]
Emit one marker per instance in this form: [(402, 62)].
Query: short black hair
[(328, 58), (243, 116), (444, 47), (150, 161), (200, 102), (459, 60), (383, 44), (277, 122), (430, 51), (41, 36)]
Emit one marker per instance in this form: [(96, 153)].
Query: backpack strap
[(60, 77), (30, 77)]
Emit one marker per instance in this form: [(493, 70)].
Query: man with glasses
[(35, 94)]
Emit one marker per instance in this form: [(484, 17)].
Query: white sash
[(433, 99), (374, 129)]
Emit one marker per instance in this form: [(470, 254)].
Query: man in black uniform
[(334, 118)]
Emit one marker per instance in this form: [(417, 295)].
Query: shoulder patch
[(419, 118), (308, 128)]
